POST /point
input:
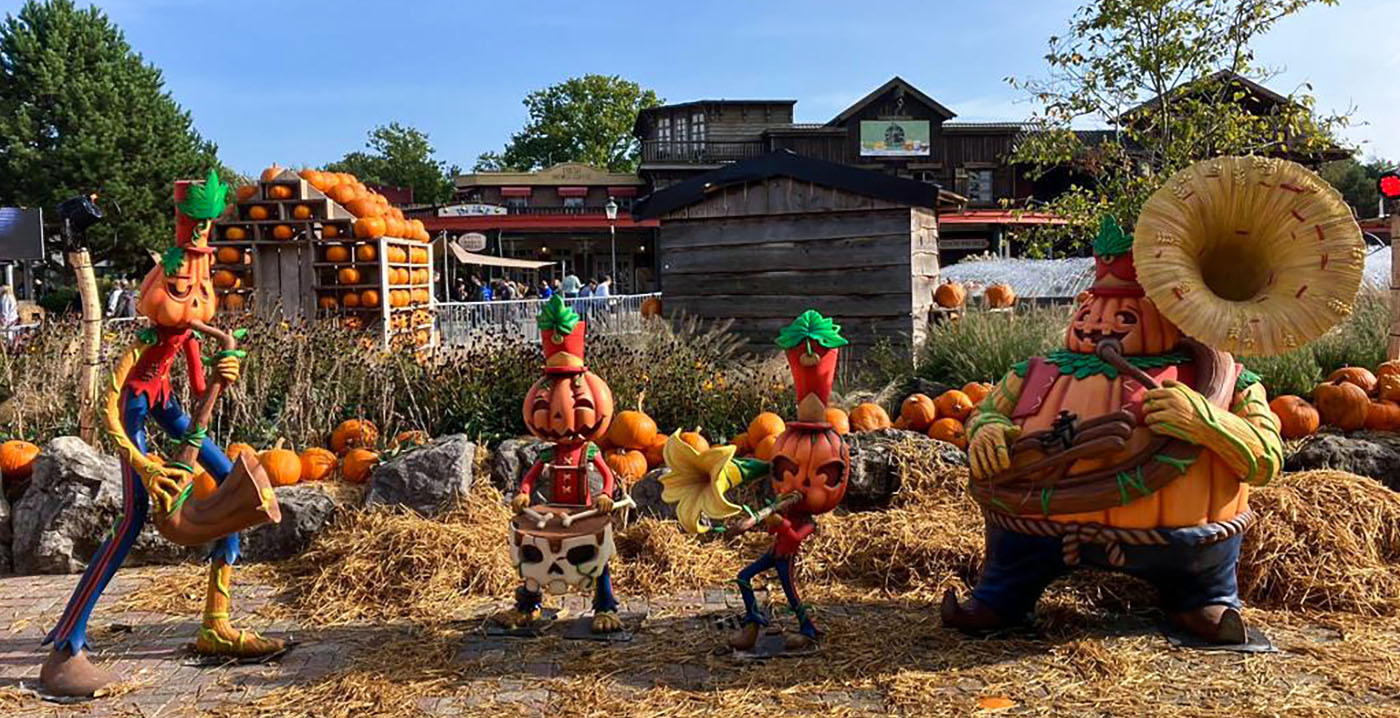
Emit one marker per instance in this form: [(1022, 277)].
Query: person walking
[(571, 285), (9, 308), (114, 297)]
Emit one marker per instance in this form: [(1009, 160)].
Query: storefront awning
[(622, 191), (515, 191), (573, 191), (487, 260)]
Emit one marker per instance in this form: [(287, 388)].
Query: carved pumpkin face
[(812, 460), (180, 298), (569, 408), (1134, 321)]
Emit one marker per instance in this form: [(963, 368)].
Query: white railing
[(459, 322)]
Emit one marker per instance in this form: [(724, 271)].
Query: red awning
[(998, 216), (622, 191), (515, 191), (573, 191)]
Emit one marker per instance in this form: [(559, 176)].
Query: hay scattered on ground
[(1326, 540)]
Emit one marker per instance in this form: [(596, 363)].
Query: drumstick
[(540, 519), (569, 519)]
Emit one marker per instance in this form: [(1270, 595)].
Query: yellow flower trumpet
[(696, 481)]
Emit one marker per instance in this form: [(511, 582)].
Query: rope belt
[(1074, 535)]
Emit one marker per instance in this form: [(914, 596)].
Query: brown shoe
[(744, 638), (68, 675), (798, 642), (1215, 624), (972, 615)]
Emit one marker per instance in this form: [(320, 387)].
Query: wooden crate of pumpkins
[(315, 243)]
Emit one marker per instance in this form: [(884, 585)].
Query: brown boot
[(744, 638), (971, 616), (69, 675), (217, 637), (798, 642), (1215, 624)]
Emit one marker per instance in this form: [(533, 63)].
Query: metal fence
[(459, 322)]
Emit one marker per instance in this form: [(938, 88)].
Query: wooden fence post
[(1392, 350)]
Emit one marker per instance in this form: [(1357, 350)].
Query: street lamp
[(611, 210)]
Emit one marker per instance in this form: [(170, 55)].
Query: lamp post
[(611, 210)]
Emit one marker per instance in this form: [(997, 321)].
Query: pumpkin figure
[(571, 408), (1194, 432)]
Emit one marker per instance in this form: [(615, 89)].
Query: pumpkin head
[(179, 291), (917, 412), (317, 464), (869, 417), (574, 408), (1133, 321), (358, 464), (1341, 404), (1297, 418), (17, 459), (814, 461)]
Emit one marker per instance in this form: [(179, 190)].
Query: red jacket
[(151, 374)]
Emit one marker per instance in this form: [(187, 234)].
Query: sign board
[(894, 138), (21, 234), (470, 210), (962, 243), (472, 241)]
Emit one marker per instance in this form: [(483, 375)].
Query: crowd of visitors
[(571, 287)]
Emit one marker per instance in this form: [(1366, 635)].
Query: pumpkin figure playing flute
[(810, 470), (177, 296), (1134, 447), (565, 542)]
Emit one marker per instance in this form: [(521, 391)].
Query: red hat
[(1114, 272), (562, 335)]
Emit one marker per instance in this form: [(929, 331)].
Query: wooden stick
[(204, 411), (88, 388), (1392, 350)]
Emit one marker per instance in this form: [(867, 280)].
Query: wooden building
[(761, 240)]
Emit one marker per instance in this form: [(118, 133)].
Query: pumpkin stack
[(368, 261)]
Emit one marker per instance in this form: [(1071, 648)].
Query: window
[(979, 186), (697, 127), (681, 131), (663, 129), (573, 202), (517, 202)]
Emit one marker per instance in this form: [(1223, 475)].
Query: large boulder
[(428, 479), (73, 501), (646, 493), (306, 510), (1369, 453), (875, 463), (511, 459), (6, 536)]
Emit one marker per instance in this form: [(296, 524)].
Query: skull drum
[(556, 558)]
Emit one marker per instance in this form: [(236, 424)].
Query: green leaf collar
[(556, 316), (1085, 365), (811, 326), (206, 201)]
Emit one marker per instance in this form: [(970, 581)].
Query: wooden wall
[(761, 253)]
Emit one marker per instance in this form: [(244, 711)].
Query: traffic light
[(1389, 184)]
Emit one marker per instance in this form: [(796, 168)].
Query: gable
[(895, 98)]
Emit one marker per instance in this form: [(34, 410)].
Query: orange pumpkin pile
[(1351, 398)]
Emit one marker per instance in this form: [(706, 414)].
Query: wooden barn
[(761, 240)]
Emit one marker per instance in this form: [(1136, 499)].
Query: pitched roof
[(894, 82), (638, 130), (1228, 76), (786, 163)]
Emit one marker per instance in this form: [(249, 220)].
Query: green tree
[(81, 112), (583, 119), (401, 156), (1183, 58), (1357, 183)]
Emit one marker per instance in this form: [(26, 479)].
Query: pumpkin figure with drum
[(565, 542), (177, 297), (1134, 447), (809, 472)]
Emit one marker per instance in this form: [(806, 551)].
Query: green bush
[(983, 346)]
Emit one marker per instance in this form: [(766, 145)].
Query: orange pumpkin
[(977, 391), (696, 440), (655, 453), (868, 416), (632, 429), (840, 422), (1000, 296), (283, 466), (1383, 416), (326, 301), (229, 255), (351, 300), (765, 448), (353, 433), (1359, 376), (1297, 418), (233, 302), (651, 307), (1134, 321), (358, 464), (282, 232), (317, 464), (235, 449), (301, 211), (369, 227), (342, 193), (627, 464), (348, 275), (397, 254), (246, 192), (330, 231), (280, 191), (393, 227), (409, 438), (224, 279), (362, 208), (235, 234), (950, 295), (398, 298), (917, 412), (258, 212), (814, 462), (764, 425), (741, 444), (17, 459), (271, 173), (1388, 386), (579, 408), (949, 430), (369, 298), (338, 253), (1341, 404), (954, 404)]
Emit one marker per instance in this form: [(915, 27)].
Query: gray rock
[(74, 499), (875, 476), (307, 509), (511, 459), (6, 536), (428, 479), (1368, 453), (646, 493)]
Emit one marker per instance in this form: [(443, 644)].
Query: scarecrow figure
[(809, 471), (566, 542), (1133, 448), (177, 296)]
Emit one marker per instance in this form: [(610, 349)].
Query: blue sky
[(302, 81)]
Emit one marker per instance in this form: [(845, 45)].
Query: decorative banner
[(894, 138), (470, 210)]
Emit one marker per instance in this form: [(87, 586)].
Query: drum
[(554, 557)]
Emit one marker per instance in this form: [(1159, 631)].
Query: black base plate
[(536, 628), (1255, 641), (580, 629), (194, 659)]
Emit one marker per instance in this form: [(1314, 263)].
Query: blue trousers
[(71, 631), (1187, 575), (527, 601), (783, 565)]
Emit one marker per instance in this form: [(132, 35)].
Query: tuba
[(1249, 255)]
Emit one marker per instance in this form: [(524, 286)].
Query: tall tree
[(1180, 57), (401, 156), (1357, 183), (582, 119), (80, 111)]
